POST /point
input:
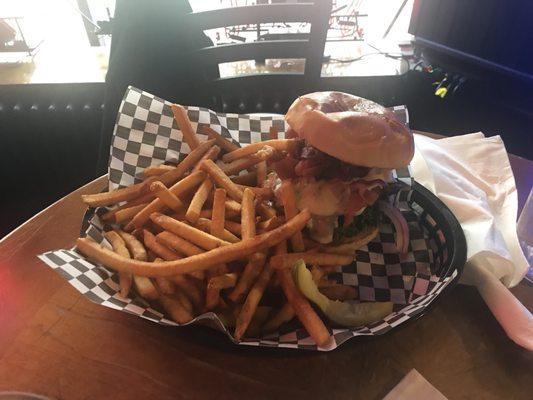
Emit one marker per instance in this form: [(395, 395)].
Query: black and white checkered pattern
[(146, 134)]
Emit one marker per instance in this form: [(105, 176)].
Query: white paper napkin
[(472, 175), (414, 387)]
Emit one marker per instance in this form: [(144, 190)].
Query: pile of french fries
[(205, 235)]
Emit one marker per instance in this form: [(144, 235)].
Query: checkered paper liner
[(146, 134)]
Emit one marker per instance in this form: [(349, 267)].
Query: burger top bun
[(352, 129)]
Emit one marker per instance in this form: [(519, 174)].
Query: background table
[(55, 342)]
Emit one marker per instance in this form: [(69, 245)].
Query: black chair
[(260, 92)]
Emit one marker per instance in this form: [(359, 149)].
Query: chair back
[(260, 92)]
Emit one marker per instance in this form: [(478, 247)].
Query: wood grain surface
[(57, 343)]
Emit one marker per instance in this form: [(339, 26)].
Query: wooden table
[(57, 343)]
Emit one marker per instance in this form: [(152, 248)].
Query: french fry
[(211, 154), (219, 213), (194, 235), (156, 170), (110, 215), (175, 309), (254, 296), (273, 133), (233, 206), (256, 260), (249, 178), (261, 173), (135, 247), (162, 251), (182, 186), (145, 287), (339, 292), (191, 290), (166, 196), (171, 177), (212, 298), (224, 281), (168, 178), (216, 228), (238, 165), (117, 196), (128, 213), (220, 269), (180, 215), (286, 261), (215, 285), (248, 215), (119, 246), (288, 198), (165, 285), (205, 225), (265, 210), (200, 275), (278, 144), (249, 275), (197, 202), (263, 193), (269, 224), (184, 300), (177, 243), (139, 235), (224, 143), (233, 227), (180, 115), (200, 262), (208, 213), (221, 179), (305, 313), (285, 314)]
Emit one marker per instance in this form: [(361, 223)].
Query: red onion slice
[(400, 225)]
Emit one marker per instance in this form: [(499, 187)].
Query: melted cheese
[(322, 197)]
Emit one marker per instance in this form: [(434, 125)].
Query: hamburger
[(348, 148)]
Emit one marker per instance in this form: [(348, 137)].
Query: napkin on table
[(472, 175), (414, 387)]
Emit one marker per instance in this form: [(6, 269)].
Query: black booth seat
[(49, 137)]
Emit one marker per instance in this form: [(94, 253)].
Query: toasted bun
[(352, 129)]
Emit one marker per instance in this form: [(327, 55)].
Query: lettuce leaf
[(369, 217)]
